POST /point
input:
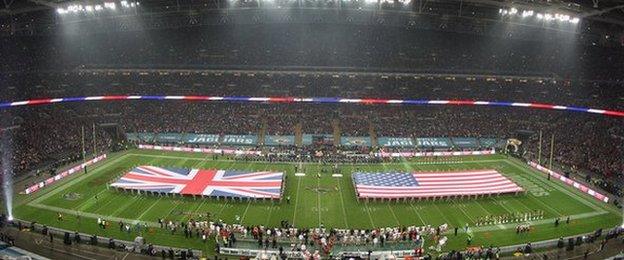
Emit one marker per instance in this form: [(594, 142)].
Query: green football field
[(326, 200)]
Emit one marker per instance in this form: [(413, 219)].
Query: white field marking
[(296, 200), (394, 215), (535, 222), (549, 208), (155, 224), (90, 215), (344, 211), (270, 207), (245, 212), (463, 211), (318, 200), (196, 166), (177, 203), (441, 213), (221, 210), (435, 204), (130, 202), (552, 184), (484, 208), (150, 207), (369, 215), (417, 214), (566, 191), (502, 204), (106, 204), (487, 211), (136, 198), (80, 206), (54, 190), (297, 163), (521, 203), (249, 201)]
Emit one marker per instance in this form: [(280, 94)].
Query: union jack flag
[(214, 183)]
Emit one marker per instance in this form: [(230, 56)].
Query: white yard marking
[(296, 200), (369, 215), (344, 211), (417, 214), (394, 215), (318, 200), (150, 207)]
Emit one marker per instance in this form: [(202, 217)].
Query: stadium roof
[(607, 11)]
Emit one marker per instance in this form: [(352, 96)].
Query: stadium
[(312, 129)]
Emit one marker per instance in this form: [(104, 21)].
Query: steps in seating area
[(336, 126)]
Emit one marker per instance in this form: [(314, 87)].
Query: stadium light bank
[(96, 8), (7, 172), (547, 17)]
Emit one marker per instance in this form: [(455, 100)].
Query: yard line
[(177, 203), (81, 206), (487, 211), (269, 215), (296, 199), (522, 203), (318, 200), (441, 213), (505, 207), (71, 182), (106, 204), (434, 203), (150, 207), (221, 210), (126, 205), (197, 165), (463, 211), (560, 187), (417, 214), (90, 215), (369, 215), (394, 215), (344, 211)]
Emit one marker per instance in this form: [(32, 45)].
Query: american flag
[(432, 184), (212, 183)]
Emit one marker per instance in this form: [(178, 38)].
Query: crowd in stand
[(588, 142), (335, 46)]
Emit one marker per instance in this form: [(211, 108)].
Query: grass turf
[(327, 200)]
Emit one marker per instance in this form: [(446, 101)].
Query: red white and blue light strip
[(319, 100)]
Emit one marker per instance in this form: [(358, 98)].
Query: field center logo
[(72, 196)]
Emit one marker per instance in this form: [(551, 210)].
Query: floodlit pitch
[(315, 201)]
